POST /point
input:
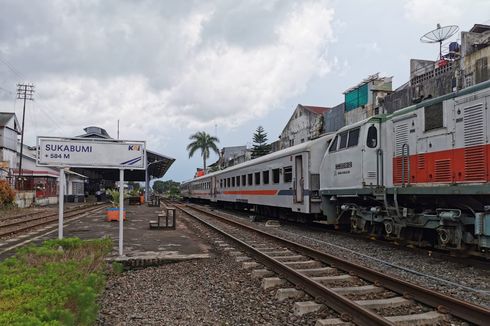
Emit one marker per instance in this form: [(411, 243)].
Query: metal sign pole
[(61, 199), (121, 208)]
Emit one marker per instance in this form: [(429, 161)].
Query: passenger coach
[(283, 182)]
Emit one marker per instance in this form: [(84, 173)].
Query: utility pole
[(24, 92)]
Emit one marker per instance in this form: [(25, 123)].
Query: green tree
[(204, 142), (162, 187), (260, 146)]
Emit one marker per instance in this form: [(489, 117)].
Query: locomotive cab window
[(353, 137), (372, 137), (343, 140), (275, 176), (288, 174), (333, 147)]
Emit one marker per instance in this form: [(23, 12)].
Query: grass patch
[(56, 283)]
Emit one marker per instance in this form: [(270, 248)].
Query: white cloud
[(211, 81), (445, 12)]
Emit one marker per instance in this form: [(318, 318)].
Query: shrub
[(7, 194), (48, 286)]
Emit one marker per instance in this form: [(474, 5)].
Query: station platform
[(142, 246)]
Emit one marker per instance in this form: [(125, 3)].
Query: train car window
[(232, 181), (434, 118), (221, 183), (249, 179), (275, 176), (353, 137), (244, 180), (228, 182), (257, 178), (333, 147), (343, 140), (265, 177), (238, 181), (372, 137), (288, 174)]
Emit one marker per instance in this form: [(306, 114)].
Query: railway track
[(24, 222), (359, 295)]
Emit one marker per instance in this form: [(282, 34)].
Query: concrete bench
[(168, 216)]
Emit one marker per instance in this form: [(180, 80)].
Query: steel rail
[(349, 310), (50, 218), (467, 311)]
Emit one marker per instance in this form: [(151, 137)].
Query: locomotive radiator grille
[(442, 171), (474, 141)]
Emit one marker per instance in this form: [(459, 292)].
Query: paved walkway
[(139, 241)]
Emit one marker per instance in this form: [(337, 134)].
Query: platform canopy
[(158, 165)]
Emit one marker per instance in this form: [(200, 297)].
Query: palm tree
[(205, 142)]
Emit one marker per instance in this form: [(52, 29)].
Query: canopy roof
[(158, 165)]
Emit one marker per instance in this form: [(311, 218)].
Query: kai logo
[(134, 148)]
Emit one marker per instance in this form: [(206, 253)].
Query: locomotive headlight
[(375, 209)]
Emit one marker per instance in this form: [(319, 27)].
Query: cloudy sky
[(167, 69)]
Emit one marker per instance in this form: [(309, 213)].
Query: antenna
[(439, 35)]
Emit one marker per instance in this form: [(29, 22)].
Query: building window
[(288, 174), (275, 176), (433, 116), (249, 179), (265, 177), (291, 142)]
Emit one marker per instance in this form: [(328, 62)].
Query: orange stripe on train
[(272, 192)]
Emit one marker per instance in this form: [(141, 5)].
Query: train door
[(371, 166), (213, 188), (299, 179)]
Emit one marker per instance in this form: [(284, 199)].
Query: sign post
[(61, 202), (91, 153), (121, 209)]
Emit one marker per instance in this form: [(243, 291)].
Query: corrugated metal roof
[(316, 109)]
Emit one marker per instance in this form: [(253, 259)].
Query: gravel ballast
[(214, 291), (434, 271)]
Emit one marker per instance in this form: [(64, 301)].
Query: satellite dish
[(439, 35)]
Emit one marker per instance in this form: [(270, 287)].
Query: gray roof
[(5, 117)]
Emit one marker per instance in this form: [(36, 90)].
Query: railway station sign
[(91, 153)]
